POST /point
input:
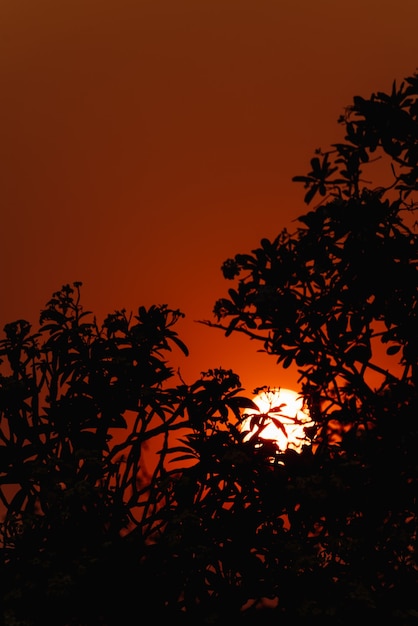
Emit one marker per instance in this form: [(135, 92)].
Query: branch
[(239, 329)]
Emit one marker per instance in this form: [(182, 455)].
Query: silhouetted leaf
[(393, 350)]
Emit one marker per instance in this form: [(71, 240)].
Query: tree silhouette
[(88, 420), (338, 299), (125, 495)]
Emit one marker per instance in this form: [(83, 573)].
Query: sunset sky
[(143, 142)]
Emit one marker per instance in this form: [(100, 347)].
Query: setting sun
[(282, 417)]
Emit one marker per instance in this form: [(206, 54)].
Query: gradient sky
[(143, 142)]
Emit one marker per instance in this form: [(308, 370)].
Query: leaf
[(181, 345), (310, 194), (302, 179), (17, 501), (357, 323), (316, 167), (232, 326), (393, 350), (235, 297), (287, 361), (279, 425), (359, 353), (244, 403)]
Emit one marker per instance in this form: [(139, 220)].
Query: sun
[(282, 417)]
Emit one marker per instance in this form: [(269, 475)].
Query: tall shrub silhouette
[(86, 418), (337, 299)]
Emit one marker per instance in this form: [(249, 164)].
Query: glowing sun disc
[(285, 418)]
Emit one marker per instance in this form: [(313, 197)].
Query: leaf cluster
[(384, 125)]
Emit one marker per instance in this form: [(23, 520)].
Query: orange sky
[(143, 142)]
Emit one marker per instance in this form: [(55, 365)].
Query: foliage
[(86, 419), (124, 493), (338, 299)]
